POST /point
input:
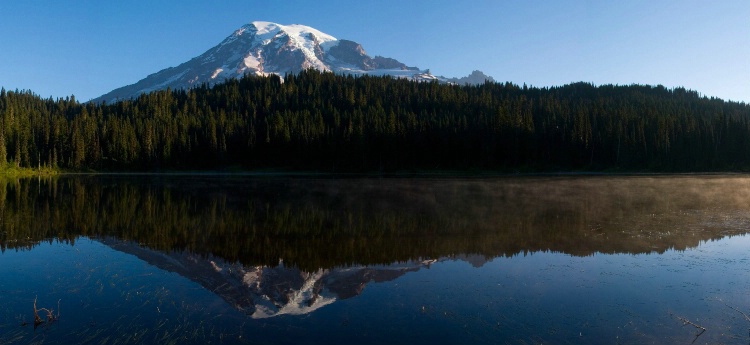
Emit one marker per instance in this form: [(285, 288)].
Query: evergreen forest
[(319, 121)]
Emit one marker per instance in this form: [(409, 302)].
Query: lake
[(198, 259)]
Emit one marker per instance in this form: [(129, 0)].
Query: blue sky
[(87, 48)]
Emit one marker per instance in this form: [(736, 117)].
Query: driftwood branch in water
[(688, 322), (37, 320), (739, 311), (51, 317)]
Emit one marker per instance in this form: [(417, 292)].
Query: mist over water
[(305, 218), (572, 259)]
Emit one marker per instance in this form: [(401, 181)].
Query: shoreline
[(417, 174)]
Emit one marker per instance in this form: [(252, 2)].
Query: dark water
[(299, 260)]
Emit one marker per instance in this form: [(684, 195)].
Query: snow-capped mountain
[(263, 48)]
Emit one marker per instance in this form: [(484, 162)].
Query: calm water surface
[(299, 260)]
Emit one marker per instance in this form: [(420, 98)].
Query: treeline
[(326, 122)]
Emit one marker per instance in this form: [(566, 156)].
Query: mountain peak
[(263, 48), (475, 78), (267, 30)]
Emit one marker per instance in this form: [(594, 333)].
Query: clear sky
[(89, 47)]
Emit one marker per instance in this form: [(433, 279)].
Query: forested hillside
[(325, 122)]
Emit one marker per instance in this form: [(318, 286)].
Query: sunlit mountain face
[(264, 48)]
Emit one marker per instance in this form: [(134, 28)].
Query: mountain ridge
[(476, 77), (264, 48)]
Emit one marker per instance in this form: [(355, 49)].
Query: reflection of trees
[(314, 223)]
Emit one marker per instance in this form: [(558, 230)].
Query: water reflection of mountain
[(324, 223), (264, 291)]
